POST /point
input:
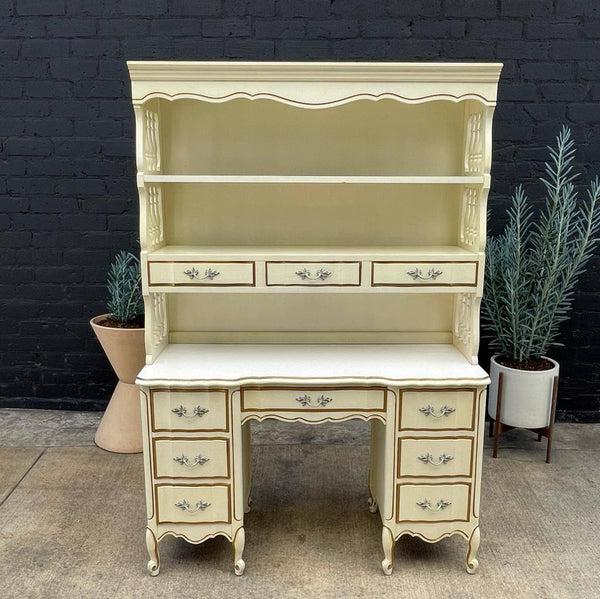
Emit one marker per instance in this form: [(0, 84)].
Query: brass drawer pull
[(182, 412), (442, 504), (209, 273), (428, 459), (185, 461), (430, 411), (320, 275), (185, 505), (306, 400), (417, 274)]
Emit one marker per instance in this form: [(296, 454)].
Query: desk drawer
[(314, 399), (176, 410), (447, 409), (423, 274), (193, 504), (191, 458), (433, 502), (313, 274), (432, 457), (201, 274)]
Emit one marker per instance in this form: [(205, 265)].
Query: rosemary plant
[(532, 268), (125, 302)]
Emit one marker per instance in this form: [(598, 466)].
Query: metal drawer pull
[(320, 275), (320, 401), (417, 274), (442, 504), (209, 273), (182, 412), (185, 505), (428, 459), (185, 461), (430, 411)]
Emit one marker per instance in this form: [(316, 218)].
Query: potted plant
[(532, 269), (121, 334)]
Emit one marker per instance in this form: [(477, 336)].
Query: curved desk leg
[(152, 546), (238, 548), (472, 562), (387, 539), (372, 505)]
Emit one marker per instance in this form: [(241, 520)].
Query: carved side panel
[(156, 325), (466, 325), (469, 234), (155, 223), (475, 142), (151, 140)]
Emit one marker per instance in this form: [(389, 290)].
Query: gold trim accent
[(424, 285), (200, 284), (206, 537), (267, 284), (413, 533), (468, 506), (351, 416), (148, 453)]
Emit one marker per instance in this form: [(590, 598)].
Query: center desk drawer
[(191, 458), (313, 274), (199, 274), (440, 409), (435, 457), (193, 504), (314, 399), (416, 274), (175, 410)]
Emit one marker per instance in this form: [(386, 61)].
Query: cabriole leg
[(152, 546), (388, 542), (372, 505), (238, 548), (472, 562)]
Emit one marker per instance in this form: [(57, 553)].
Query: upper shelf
[(324, 84)]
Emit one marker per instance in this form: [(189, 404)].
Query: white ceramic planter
[(526, 395)]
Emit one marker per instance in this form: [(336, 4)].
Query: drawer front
[(176, 410), (433, 503), (188, 458), (193, 504), (314, 399), (417, 274), (313, 274), (431, 457), (448, 409), (202, 274)]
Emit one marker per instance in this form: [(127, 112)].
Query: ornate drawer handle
[(320, 275), (185, 461), (209, 273), (182, 412), (185, 505), (305, 400), (442, 504), (428, 459), (430, 411), (417, 274)]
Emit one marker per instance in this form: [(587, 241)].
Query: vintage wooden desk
[(312, 250)]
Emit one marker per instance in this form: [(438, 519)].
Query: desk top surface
[(190, 365)]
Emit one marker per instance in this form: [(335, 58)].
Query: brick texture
[(67, 146)]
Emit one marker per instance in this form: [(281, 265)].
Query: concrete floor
[(72, 521)]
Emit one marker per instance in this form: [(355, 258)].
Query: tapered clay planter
[(120, 429)]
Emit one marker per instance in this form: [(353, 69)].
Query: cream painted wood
[(198, 410), (431, 457), (436, 410), (179, 458), (241, 172)]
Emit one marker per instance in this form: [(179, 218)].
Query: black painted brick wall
[(67, 143)]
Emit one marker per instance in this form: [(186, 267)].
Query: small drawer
[(175, 410), (314, 399), (193, 504), (440, 409), (202, 274), (433, 503), (313, 274), (435, 457), (422, 274), (191, 458)]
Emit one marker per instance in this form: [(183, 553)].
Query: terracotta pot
[(120, 429), (526, 395)]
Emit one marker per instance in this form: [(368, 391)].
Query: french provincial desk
[(312, 250)]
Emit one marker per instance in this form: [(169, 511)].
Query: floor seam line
[(24, 475)]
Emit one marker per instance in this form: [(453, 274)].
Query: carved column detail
[(474, 146), (151, 141), (159, 319), (156, 234), (469, 225)]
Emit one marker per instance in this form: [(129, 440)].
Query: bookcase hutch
[(312, 247)]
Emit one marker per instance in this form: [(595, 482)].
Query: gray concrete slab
[(15, 462)]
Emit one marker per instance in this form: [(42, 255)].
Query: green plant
[(125, 302), (532, 268)]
